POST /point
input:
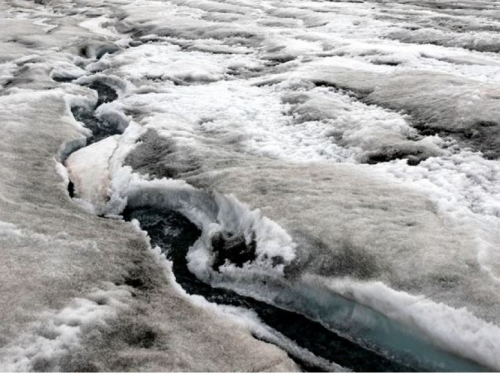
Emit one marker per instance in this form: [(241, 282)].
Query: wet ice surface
[(339, 159), (174, 234)]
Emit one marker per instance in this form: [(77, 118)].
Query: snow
[(169, 62), (457, 329), (88, 169), (277, 136), (66, 302), (61, 332), (299, 124)]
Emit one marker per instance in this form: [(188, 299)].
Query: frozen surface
[(88, 168), (352, 147), (78, 292)]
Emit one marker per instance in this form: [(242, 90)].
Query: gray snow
[(357, 142), (78, 292)]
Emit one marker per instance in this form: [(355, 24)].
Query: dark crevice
[(412, 157), (63, 79), (106, 49), (388, 63), (359, 94), (175, 234), (232, 248), (105, 93), (278, 60), (135, 282), (84, 52), (71, 189), (101, 127), (483, 136)]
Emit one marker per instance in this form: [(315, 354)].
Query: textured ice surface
[(353, 146), (80, 293), (337, 86), (84, 293)]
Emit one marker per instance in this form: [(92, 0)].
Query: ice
[(68, 302), (250, 321), (347, 93), (457, 329), (88, 163), (348, 150), (99, 26), (61, 332)]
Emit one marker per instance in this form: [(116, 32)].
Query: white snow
[(88, 169)]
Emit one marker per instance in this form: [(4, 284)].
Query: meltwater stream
[(175, 234)]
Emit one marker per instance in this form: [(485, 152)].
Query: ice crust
[(295, 124)]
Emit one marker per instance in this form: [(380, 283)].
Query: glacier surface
[(351, 148)]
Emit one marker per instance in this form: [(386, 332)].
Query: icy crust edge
[(456, 330), (214, 213)]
